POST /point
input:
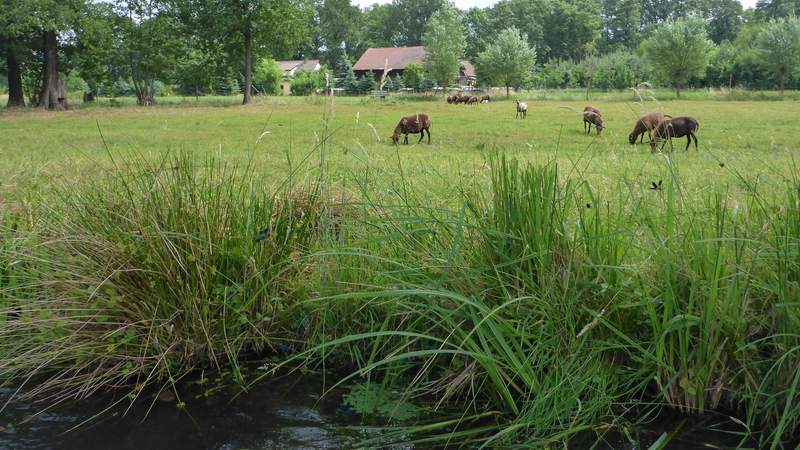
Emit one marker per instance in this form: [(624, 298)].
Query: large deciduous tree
[(148, 42), (444, 45), (679, 50), (340, 25), (408, 19), (621, 22), (47, 18), (508, 61), (248, 29), (778, 48)]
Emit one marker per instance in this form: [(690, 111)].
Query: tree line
[(196, 47)]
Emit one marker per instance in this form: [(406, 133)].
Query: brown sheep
[(450, 99), (592, 116), (646, 123), (486, 99), (472, 100), (418, 123), (677, 127)]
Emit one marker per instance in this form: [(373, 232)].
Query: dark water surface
[(283, 413)]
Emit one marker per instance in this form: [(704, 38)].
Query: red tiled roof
[(399, 58)]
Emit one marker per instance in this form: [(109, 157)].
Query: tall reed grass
[(538, 310)]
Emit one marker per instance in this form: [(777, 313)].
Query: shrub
[(413, 76), (267, 77), (306, 82)]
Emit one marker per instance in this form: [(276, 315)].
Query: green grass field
[(517, 281), (751, 138)]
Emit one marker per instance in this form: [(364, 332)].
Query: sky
[(466, 4)]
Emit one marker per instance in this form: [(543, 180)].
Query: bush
[(267, 77), (413, 76), (561, 74), (306, 82), (619, 70)]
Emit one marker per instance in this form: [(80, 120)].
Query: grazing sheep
[(522, 109), (417, 123), (486, 99), (592, 116), (450, 99), (677, 127), (646, 123), (472, 100), (463, 98)]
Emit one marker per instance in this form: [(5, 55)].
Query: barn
[(374, 60)]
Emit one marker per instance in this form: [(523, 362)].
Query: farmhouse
[(397, 58), (290, 68)]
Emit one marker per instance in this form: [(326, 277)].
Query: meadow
[(514, 283)]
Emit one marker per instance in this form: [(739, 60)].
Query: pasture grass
[(527, 276)]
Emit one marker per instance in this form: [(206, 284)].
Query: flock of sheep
[(659, 126)]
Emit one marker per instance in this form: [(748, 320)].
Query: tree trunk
[(53, 94), (16, 97), (730, 81), (248, 66), (678, 90), (780, 83), (507, 94)]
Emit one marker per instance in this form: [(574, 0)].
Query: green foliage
[(267, 76), (306, 82), (560, 74), (445, 44), (508, 61), (679, 50), (569, 27), (367, 83), (721, 65), (227, 85), (340, 24), (413, 76), (620, 70), (375, 401), (778, 48), (350, 82)]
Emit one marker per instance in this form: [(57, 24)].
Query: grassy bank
[(540, 307)]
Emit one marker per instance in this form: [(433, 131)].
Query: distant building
[(397, 58), (289, 69)]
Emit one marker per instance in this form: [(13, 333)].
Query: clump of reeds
[(150, 271)]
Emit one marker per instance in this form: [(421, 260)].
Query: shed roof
[(398, 58)]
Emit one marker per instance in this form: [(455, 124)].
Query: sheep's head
[(632, 138), (599, 124)]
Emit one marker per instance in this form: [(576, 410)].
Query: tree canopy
[(445, 44), (778, 46), (508, 60), (679, 50)]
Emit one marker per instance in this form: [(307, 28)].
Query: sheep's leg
[(421, 135), (429, 136), (405, 139), (695, 140), (688, 141)]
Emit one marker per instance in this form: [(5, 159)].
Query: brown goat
[(592, 116), (472, 100), (486, 99), (677, 127), (450, 99), (647, 123), (418, 123)]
